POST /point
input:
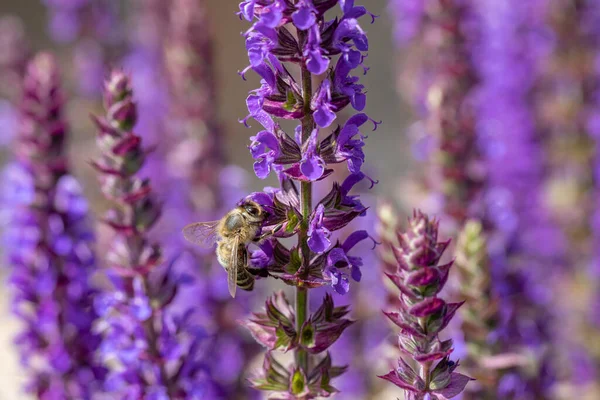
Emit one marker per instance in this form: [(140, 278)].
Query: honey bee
[(232, 233)]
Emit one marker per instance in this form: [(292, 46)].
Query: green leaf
[(295, 261)]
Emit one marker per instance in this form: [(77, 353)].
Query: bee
[(232, 233)]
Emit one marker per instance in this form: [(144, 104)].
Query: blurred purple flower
[(526, 249), (157, 349), (50, 247)]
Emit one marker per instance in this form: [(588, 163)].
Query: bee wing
[(234, 259), (201, 233)]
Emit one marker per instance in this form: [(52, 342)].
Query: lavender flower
[(525, 247), (50, 246), (285, 33), (422, 315), (157, 353)]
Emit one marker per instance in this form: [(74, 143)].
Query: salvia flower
[(422, 315), (50, 247), (154, 352), (526, 249), (288, 36)]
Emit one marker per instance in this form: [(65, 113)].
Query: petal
[(318, 241), (304, 18), (324, 116), (262, 168), (317, 63), (312, 168)]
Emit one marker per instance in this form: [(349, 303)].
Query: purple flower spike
[(288, 45), (50, 248), (143, 331), (422, 315)]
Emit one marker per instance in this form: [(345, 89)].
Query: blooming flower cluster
[(298, 34), (525, 246), (156, 353), (50, 247), (422, 315)]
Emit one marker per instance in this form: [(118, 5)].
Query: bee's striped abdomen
[(245, 280)]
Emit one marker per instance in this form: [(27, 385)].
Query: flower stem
[(302, 298)]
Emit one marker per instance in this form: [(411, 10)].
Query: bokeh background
[(398, 155)]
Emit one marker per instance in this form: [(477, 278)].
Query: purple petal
[(318, 241), (324, 116), (304, 18)]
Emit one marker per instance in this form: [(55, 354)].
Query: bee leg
[(265, 235)]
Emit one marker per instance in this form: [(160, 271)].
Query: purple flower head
[(143, 329), (338, 260), (289, 44), (346, 143), (51, 253), (305, 16)]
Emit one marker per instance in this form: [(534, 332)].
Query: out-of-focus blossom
[(526, 249), (154, 351), (93, 27), (50, 247)]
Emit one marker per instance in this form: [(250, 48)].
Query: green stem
[(302, 298)]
